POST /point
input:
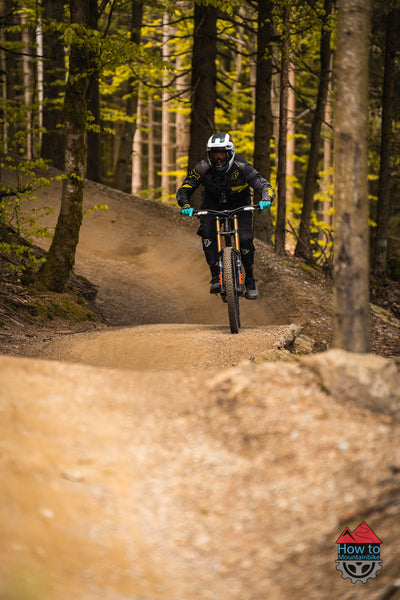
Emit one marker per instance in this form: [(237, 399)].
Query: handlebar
[(226, 212)]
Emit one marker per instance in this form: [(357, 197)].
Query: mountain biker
[(227, 179)]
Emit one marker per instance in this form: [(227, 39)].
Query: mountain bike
[(230, 275)]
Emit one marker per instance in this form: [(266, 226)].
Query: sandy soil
[(157, 456)]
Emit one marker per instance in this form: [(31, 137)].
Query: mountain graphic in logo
[(362, 534)]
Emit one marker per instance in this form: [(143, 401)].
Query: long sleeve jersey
[(230, 187)]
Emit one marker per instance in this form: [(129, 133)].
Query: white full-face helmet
[(217, 144)]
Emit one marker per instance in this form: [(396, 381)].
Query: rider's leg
[(208, 233), (247, 252), (214, 283)]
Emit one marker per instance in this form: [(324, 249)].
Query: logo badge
[(359, 554)]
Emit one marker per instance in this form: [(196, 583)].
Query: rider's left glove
[(187, 210), (264, 204)]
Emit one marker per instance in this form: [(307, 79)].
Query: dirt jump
[(155, 455)]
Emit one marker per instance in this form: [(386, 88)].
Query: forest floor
[(148, 453)]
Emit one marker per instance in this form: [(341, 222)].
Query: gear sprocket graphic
[(359, 570)]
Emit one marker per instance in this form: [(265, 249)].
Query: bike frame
[(227, 227), (227, 224)]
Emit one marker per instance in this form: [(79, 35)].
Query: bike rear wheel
[(231, 288)]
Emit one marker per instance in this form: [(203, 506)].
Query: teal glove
[(264, 204), (187, 210)]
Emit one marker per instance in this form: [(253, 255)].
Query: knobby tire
[(232, 296)]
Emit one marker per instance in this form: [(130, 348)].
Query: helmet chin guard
[(221, 142)]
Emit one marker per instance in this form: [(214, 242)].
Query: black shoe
[(251, 289), (215, 287)]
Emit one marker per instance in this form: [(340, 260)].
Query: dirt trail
[(163, 347), (173, 462), (147, 262)]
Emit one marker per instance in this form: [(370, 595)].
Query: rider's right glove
[(264, 204), (187, 210)]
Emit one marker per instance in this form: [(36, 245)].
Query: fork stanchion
[(218, 226)]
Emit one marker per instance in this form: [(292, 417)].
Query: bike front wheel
[(231, 277)]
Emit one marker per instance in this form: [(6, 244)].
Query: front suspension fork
[(235, 232)]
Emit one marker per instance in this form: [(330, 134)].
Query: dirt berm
[(160, 457)]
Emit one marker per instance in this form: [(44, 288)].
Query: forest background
[(127, 93)]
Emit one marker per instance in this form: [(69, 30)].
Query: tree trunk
[(203, 84), (28, 78), (282, 146), (61, 255), (303, 248), (182, 124), (291, 132), (11, 74), (237, 56), (351, 241), (263, 112), (94, 158), (128, 129), (166, 117), (93, 166), (137, 151), (53, 85), (326, 184), (381, 242), (151, 155)]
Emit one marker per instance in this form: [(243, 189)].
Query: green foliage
[(94, 208), (21, 178), (125, 68)]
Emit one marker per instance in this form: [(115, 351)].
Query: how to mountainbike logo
[(359, 554)]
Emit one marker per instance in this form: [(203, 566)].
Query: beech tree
[(263, 110), (303, 247), (351, 233), (282, 144), (52, 148), (61, 255), (203, 83), (93, 165), (128, 129), (12, 82)]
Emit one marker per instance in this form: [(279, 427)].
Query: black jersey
[(230, 187)]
